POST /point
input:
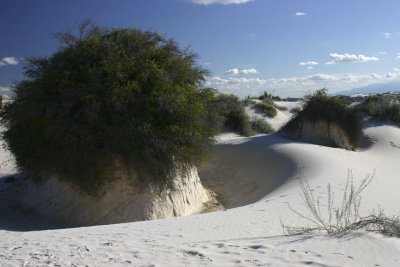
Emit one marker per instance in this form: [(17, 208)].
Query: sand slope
[(248, 235)]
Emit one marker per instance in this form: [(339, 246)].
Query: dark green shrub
[(238, 121), (259, 125), (228, 114), (321, 107), (110, 97), (266, 95), (383, 107), (345, 100), (267, 107), (295, 110), (248, 101)]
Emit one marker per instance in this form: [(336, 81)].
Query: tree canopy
[(108, 98)]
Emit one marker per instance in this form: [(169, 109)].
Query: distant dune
[(373, 88)]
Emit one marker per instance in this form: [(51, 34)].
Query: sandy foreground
[(255, 178)]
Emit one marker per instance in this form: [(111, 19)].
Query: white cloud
[(394, 74), (381, 53), (387, 35), (336, 58), (249, 71), (398, 56), (298, 86), (221, 2), (236, 71), (5, 92), (309, 64), (8, 61), (300, 14)]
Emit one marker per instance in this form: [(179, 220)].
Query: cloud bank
[(299, 86), (387, 35), (220, 2), (236, 71), (346, 58)]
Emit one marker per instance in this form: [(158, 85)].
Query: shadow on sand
[(15, 217), (244, 171)]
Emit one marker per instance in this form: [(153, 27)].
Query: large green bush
[(106, 99)]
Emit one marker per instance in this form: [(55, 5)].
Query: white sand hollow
[(256, 179)]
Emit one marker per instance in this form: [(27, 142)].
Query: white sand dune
[(256, 179)]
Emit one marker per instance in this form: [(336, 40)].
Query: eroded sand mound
[(119, 202)]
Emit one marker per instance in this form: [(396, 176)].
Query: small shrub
[(344, 100), (248, 101), (266, 95), (238, 121), (336, 219), (344, 218), (228, 114), (320, 107), (266, 107), (384, 107), (259, 125), (295, 110)]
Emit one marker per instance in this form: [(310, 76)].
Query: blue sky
[(290, 47)]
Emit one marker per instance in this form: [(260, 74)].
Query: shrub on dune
[(330, 122), (267, 107), (295, 110), (259, 125), (228, 114), (109, 98), (384, 107)]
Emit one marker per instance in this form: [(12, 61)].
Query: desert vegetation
[(295, 110), (319, 107), (266, 95), (383, 107), (343, 217), (259, 125), (266, 107), (109, 99), (227, 113)]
